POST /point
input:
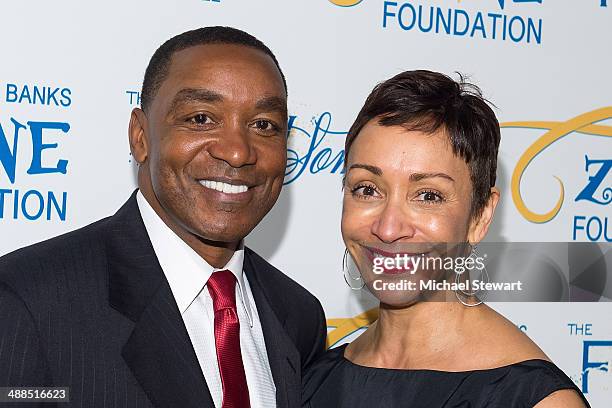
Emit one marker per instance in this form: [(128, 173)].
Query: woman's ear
[(480, 224), (137, 133)]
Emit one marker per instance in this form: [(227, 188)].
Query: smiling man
[(161, 305)]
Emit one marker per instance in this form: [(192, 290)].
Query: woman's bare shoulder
[(503, 341)]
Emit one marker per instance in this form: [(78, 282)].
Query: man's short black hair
[(427, 101), (157, 70)]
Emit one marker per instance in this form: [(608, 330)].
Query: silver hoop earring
[(346, 271), (462, 295)]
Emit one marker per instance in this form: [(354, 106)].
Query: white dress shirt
[(187, 273)]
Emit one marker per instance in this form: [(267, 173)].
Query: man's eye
[(265, 125), (200, 119)]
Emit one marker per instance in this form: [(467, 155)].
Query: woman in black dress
[(420, 167)]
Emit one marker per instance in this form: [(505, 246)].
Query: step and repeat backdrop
[(71, 72)]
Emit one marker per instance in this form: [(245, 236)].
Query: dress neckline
[(342, 348)]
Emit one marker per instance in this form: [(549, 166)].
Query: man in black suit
[(161, 305)]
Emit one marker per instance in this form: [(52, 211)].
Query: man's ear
[(137, 133), (480, 225)]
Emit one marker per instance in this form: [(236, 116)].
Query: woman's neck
[(422, 335)]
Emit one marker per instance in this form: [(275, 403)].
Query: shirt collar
[(186, 271)]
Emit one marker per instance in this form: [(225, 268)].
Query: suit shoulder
[(47, 255)]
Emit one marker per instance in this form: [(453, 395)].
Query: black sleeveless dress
[(334, 381)]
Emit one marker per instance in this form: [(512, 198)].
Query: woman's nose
[(393, 224)]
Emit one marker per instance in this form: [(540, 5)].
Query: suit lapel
[(284, 358), (159, 351)]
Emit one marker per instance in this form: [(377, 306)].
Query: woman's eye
[(200, 119), (365, 191), (430, 196)]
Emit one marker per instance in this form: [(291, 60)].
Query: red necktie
[(222, 288)]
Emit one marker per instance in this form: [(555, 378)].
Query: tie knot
[(222, 288)]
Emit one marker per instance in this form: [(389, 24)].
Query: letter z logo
[(595, 181)]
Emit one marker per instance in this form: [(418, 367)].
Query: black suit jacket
[(92, 310)]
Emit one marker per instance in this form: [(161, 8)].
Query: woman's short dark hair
[(427, 101)]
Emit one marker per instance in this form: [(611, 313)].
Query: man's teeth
[(224, 187)]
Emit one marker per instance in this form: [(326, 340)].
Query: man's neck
[(216, 254)]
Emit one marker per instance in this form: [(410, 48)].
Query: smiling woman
[(421, 162)]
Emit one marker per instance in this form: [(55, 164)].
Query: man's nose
[(234, 146), (394, 223)]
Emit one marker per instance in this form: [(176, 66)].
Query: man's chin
[(221, 236), (220, 226)]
